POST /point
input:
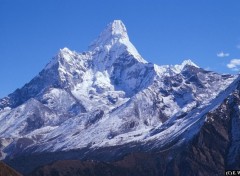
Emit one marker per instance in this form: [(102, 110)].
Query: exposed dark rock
[(5, 170)]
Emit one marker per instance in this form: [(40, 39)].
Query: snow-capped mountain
[(108, 96)]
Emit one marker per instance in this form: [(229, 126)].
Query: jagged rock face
[(210, 152), (110, 96), (206, 153)]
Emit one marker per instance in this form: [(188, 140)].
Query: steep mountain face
[(109, 97)]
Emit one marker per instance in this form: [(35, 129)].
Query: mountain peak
[(64, 54), (117, 29), (114, 31), (64, 50), (115, 38), (188, 62), (179, 68)]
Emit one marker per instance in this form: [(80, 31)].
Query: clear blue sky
[(163, 31)]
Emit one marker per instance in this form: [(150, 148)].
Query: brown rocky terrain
[(5, 170)]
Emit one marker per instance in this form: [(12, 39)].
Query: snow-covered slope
[(106, 96)]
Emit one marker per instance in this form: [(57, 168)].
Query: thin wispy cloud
[(238, 46), (234, 64), (222, 54)]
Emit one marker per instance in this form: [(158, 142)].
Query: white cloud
[(222, 54), (234, 64)]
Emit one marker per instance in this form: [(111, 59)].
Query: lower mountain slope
[(214, 149)]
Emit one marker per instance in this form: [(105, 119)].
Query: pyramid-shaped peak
[(117, 28), (114, 31)]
